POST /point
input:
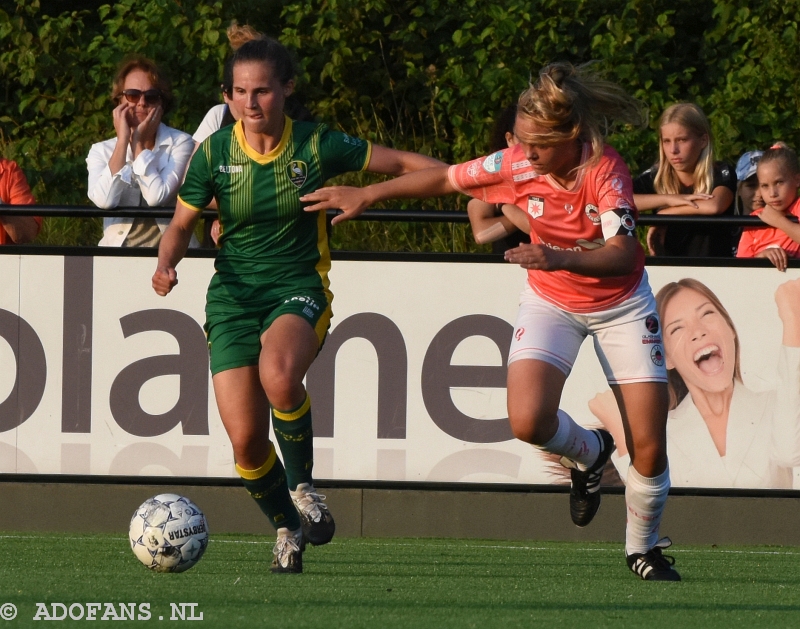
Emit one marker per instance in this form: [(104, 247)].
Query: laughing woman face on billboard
[(720, 433)]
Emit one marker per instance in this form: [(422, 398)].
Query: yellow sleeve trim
[(189, 205), (292, 415), (261, 471), (369, 157)]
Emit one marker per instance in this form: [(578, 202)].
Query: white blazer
[(762, 440), (154, 177)]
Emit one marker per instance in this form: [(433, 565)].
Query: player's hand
[(536, 257), (777, 256), (164, 280), (772, 217), (352, 201)]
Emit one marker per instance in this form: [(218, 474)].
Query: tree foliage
[(423, 75)]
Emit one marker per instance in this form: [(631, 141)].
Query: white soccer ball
[(168, 533)]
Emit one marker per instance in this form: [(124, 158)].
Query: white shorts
[(627, 337)]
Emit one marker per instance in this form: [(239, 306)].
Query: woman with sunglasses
[(144, 164)]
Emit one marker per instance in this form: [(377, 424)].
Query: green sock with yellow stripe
[(296, 440), (267, 486)]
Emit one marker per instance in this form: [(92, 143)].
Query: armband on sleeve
[(618, 222)]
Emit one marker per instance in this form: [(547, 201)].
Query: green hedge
[(424, 75)]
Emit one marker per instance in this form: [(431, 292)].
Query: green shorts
[(234, 329)]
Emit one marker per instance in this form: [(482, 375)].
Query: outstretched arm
[(388, 161), (174, 244), (430, 182)]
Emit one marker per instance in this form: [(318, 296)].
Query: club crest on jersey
[(593, 213), (535, 206), (297, 172), (492, 163)]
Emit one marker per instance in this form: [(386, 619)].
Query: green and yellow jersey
[(266, 235)]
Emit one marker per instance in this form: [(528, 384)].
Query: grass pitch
[(405, 583)]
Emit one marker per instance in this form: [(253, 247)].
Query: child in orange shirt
[(778, 180)]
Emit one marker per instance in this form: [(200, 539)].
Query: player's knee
[(283, 390), (248, 452), (529, 430), (649, 458)]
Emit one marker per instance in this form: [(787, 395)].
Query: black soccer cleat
[(584, 495), (317, 521), (288, 552), (652, 565)]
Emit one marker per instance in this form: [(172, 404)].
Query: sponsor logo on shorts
[(518, 334), (657, 355), (492, 163), (308, 312), (310, 303), (651, 323), (593, 213), (231, 168), (297, 172), (535, 206)]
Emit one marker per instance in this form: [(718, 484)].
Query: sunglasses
[(151, 97)]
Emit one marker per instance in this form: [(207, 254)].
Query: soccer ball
[(168, 533)]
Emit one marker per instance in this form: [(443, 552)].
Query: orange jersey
[(600, 202), (14, 190), (755, 239)]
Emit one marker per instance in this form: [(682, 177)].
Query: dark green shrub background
[(423, 75)]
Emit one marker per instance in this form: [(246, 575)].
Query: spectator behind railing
[(14, 190), (505, 226), (145, 163), (686, 180), (748, 195), (778, 179)]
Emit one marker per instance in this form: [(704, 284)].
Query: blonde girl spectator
[(687, 181), (145, 163), (778, 180)]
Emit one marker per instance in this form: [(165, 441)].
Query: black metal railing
[(389, 215)]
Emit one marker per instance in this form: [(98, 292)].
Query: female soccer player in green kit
[(268, 307)]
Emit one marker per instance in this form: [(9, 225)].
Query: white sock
[(574, 442), (645, 499)]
